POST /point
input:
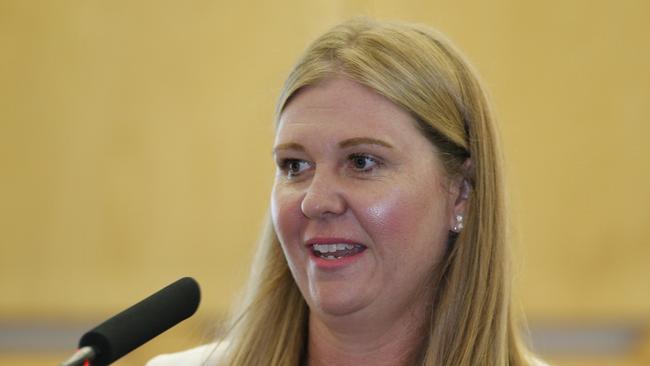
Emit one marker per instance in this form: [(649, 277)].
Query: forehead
[(340, 107)]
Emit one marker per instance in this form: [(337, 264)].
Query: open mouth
[(336, 251)]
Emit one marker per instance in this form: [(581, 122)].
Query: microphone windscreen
[(141, 322)]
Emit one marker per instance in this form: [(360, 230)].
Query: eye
[(363, 162), (293, 167)]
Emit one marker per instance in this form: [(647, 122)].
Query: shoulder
[(534, 361), (202, 355)]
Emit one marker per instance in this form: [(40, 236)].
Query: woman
[(387, 244)]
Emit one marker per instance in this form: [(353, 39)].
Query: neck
[(360, 340)]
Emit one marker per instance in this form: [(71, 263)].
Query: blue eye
[(362, 162), (294, 167)]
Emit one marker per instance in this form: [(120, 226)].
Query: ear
[(461, 194)]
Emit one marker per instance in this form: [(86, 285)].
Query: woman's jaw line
[(363, 333)]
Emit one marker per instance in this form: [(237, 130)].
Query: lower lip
[(334, 263)]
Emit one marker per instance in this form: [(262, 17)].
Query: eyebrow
[(343, 144), (288, 146), (364, 141)]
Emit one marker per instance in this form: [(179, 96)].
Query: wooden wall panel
[(135, 145)]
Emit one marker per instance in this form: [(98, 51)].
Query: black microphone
[(138, 324)]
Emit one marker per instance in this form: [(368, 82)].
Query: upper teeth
[(331, 248)]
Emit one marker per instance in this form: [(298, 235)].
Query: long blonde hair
[(471, 319)]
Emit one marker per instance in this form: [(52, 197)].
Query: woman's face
[(360, 202)]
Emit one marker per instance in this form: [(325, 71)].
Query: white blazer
[(203, 355), (208, 355)]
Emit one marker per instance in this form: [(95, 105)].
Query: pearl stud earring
[(459, 224)]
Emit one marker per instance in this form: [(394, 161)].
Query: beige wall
[(135, 145)]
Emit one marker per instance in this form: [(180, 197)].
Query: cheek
[(406, 219), (286, 216)]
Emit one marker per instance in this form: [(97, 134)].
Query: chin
[(334, 302)]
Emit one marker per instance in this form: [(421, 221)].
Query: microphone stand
[(82, 355)]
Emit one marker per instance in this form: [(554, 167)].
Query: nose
[(323, 198)]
